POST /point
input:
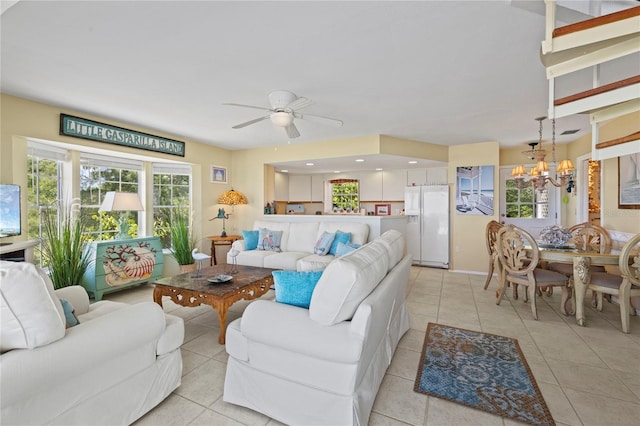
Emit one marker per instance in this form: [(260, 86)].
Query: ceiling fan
[(284, 109)]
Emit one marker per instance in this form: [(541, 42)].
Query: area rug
[(482, 371)]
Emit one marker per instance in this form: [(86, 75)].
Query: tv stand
[(20, 251)]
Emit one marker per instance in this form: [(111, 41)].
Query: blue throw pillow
[(345, 248), (250, 239), (69, 315), (269, 240), (324, 243), (341, 237), (295, 288)]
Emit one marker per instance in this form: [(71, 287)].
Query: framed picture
[(629, 181), (383, 209), (474, 190), (218, 174)]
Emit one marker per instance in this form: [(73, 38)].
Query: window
[(98, 175), (345, 195), (526, 203), (44, 189), (171, 190)]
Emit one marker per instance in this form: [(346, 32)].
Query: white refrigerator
[(427, 211)]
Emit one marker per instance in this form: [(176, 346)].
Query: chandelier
[(539, 175)]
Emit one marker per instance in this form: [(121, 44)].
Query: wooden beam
[(598, 90), (629, 138), (598, 21)]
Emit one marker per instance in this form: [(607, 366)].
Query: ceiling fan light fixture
[(282, 119)]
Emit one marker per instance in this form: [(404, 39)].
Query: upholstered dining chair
[(624, 286), (518, 269), (492, 236)]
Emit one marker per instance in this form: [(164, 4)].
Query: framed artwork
[(383, 209), (629, 181), (474, 190), (218, 174)]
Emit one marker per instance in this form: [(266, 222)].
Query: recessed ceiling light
[(359, 160), (379, 168), (336, 171), (284, 171), (413, 162), (310, 164)]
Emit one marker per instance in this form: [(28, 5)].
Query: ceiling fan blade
[(292, 131), (247, 123), (299, 103), (318, 119), (249, 106)]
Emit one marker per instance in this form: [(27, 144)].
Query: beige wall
[(468, 231), (22, 119)]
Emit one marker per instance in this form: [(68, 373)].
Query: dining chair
[(585, 236), (518, 269), (491, 237), (624, 286)]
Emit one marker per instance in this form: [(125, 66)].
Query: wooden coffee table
[(190, 290)]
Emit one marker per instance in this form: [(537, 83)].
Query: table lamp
[(121, 202), (230, 198)]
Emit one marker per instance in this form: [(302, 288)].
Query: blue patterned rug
[(482, 371)]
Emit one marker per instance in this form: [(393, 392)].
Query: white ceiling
[(444, 72)]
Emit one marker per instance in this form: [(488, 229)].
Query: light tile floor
[(588, 375)]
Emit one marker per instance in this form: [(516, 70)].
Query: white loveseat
[(119, 362), (323, 365), (296, 246)]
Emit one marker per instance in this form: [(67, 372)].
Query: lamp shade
[(232, 198), (121, 202)]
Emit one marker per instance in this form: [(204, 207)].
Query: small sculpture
[(198, 257)]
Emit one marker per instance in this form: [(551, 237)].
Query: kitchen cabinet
[(119, 264), (300, 188), (317, 188), (393, 184), (416, 177), (370, 186), (282, 186), (437, 176)]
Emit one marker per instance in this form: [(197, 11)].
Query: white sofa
[(323, 365), (296, 247), (119, 362)]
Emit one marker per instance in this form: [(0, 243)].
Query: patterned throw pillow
[(295, 288), (250, 239), (269, 240), (324, 243), (341, 237), (346, 248)]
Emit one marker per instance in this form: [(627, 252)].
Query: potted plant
[(182, 240), (63, 247)]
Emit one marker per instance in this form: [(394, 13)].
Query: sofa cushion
[(341, 237), (346, 282), (31, 314), (250, 239), (314, 262), (302, 236), (295, 288), (252, 257), (286, 260), (269, 240), (393, 241), (69, 314), (323, 244)]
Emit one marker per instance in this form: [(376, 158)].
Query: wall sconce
[(121, 202)]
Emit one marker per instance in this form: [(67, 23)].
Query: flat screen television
[(10, 224)]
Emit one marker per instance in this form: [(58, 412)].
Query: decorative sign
[(92, 130)]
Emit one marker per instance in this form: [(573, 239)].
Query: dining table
[(582, 259)]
